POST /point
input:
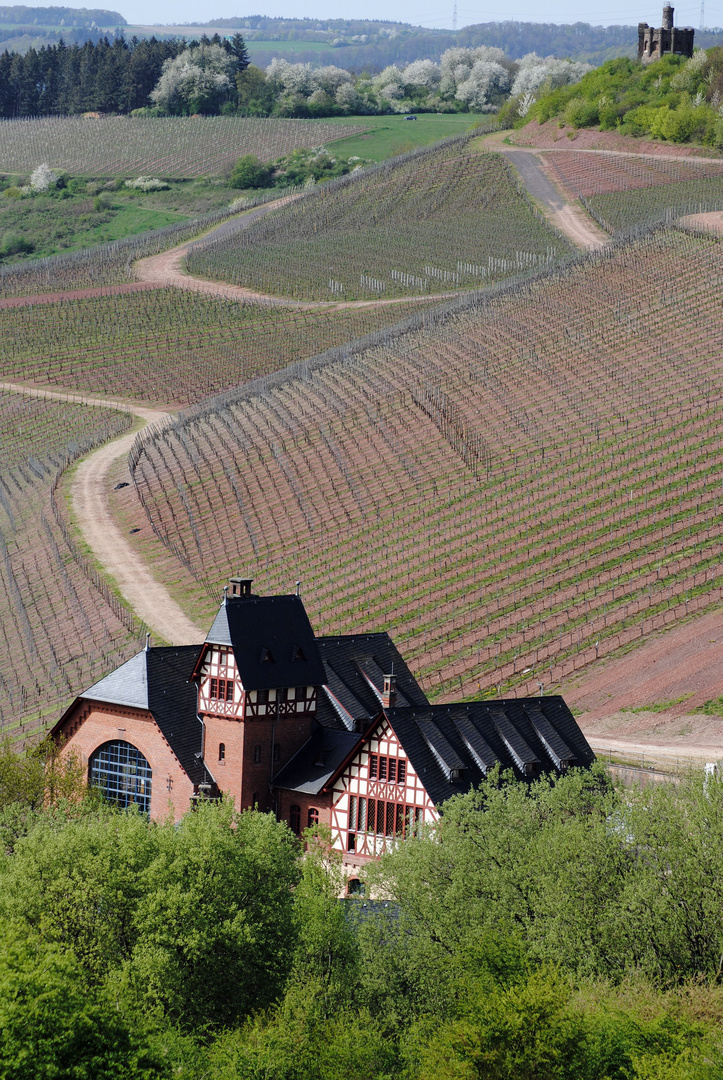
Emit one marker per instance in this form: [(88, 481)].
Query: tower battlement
[(654, 43)]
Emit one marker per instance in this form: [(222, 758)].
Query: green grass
[(714, 707), (659, 706), (392, 135), (53, 225)]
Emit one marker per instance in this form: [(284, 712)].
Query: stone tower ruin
[(652, 44)]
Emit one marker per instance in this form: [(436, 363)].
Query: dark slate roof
[(317, 761), (452, 747), (355, 668), (272, 641), (159, 680)]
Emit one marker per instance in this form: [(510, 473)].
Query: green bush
[(12, 244), (581, 113), (249, 172)]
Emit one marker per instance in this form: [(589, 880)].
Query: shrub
[(12, 244), (249, 172), (147, 183)]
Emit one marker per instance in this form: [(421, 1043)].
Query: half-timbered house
[(332, 730)]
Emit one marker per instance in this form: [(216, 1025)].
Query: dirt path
[(167, 269), (92, 514), (74, 294), (569, 218)]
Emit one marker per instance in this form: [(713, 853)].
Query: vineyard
[(512, 489), (61, 628), (435, 220), (169, 346), (173, 147), (622, 191)]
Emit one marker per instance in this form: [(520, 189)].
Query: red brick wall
[(286, 799), (92, 723), (239, 774)]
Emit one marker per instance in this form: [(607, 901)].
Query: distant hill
[(24, 17), (368, 43)]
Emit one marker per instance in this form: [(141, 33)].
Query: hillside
[(672, 99), (441, 219), (537, 468)]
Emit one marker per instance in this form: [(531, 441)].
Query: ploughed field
[(173, 147), (512, 489), (622, 191), (168, 346), (60, 627), (437, 220)]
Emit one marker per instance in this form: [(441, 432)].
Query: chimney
[(240, 586), (667, 17), (389, 693)]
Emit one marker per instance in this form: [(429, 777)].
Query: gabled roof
[(452, 747), (355, 667), (316, 762), (159, 680), (272, 641)]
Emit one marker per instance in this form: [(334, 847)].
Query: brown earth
[(550, 136), (75, 294), (91, 513)]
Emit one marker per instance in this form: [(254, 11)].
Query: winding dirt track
[(150, 600), (167, 269), (677, 664)]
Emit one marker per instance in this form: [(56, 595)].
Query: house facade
[(318, 730)]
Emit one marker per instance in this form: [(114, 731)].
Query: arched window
[(355, 887), (295, 819), (313, 816), (122, 774), (222, 751)]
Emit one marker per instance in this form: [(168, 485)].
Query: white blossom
[(196, 77), (390, 75), (422, 73), (347, 97), (43, 178), (534, 71), (486, 79)]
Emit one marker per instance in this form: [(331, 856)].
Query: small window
[(352, 812), (257, 755), (313, 816), (399, 822), (373, 766), (401, 772), (351, 842), (281, 694), (255, 800), (392, 770), (214, 689), (355, 887), (262, 696), (295, 819), (221, 751), (277, 751), (362, 815), (372, 815), (229, 690), (300, 693), (391, 814), (382, 768)]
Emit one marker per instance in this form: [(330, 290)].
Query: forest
[(562, 929)]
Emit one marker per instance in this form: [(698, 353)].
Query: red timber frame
[(370, 813), (219, 689)]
